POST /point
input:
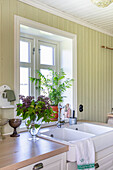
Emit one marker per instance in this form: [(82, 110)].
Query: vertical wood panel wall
[(95, 70), (0, 38)]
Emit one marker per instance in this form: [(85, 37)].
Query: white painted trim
[(16, 61), (64, 15), (19, 20), (43, 27), (75, 74), (16, 55)]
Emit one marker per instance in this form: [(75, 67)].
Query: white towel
[(85, 155)]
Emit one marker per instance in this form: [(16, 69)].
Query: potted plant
[(55, 86), (34, 112)]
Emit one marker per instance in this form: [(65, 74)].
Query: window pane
[(46, 55), (24, 81), (48, 74), (24, 51)]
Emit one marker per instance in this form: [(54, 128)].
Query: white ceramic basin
[(91, 128), (66, 135), (101, 136)]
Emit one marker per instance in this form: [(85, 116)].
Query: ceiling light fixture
[(102, 3)]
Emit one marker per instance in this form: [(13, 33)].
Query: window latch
[(33, 51), (39, 50)]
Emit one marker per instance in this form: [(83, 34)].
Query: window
[(26, 64), (25, 51), (46, 55), (24, 81), (48, 74), (35, 54), (66, 42)]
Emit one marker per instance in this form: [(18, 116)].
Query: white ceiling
[(85, 11)]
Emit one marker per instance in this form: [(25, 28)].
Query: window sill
[(23, 127)]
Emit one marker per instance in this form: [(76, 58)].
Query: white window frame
[(55, 58), (29, 65), (53, 44), (20, 20), (35, 57)]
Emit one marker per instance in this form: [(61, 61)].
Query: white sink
[(101, 136), (66, 135), (90, 128)]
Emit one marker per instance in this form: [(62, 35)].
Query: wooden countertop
[(19, 152)]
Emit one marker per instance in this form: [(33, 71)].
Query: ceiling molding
[(59, 13)]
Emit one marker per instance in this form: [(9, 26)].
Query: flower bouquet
[(34, 112)]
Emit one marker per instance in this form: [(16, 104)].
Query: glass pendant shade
[(102, 3)]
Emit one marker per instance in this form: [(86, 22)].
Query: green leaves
[(55, 86), (34, 110), (37, 126)]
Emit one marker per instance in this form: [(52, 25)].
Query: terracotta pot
[(55, 108)]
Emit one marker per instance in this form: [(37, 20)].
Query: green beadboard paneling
[(94, 64), (55, 21), (112, 75), (0, 39), (44, 17), (5, 48)]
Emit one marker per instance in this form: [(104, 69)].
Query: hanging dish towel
[(10, 95), (85, 155)]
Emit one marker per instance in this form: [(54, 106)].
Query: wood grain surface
[(19, 152)]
